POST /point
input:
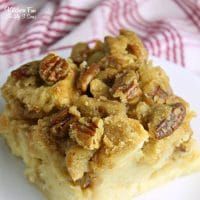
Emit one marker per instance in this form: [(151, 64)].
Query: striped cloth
[(170, 29)]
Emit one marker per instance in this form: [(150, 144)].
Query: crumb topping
[(101, 101), (87, 132)]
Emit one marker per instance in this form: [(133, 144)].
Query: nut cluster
[(126, 87)]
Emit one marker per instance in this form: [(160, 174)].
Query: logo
[(21, 13)]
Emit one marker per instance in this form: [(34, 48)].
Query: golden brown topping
[(166, 119), (121, 133), (134, 49), (155, 84), (20, 111), (108, 75), (142, 111), (87, 75), (115, 45), (80, 52), (124, 51), (53, 68), (157, 94), (135, 45), (74, 111), (87, 133), (77, 160), (99, 107), (98, 89), (26, 70), (126, 87), (96, 53)]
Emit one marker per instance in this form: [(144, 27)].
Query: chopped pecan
[(26, 70), (87, 75), (60, 116), (53, 68), (60, 122), (60, 130), (86, 129), (159, 95), (167, 120), (80, 52), (167, 126), (126, 87), (155, 93), (87, 133), (131, 90)]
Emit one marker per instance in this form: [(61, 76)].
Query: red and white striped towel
[(170, 29)]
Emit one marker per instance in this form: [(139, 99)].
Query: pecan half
[(53, 68), (169, 125), (126, 87), (26, 70), (87, 133), (168, 119), (87, 75)]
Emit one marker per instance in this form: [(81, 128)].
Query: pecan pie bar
[(102, 124)]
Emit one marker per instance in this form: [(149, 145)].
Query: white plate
[(14, 186)]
